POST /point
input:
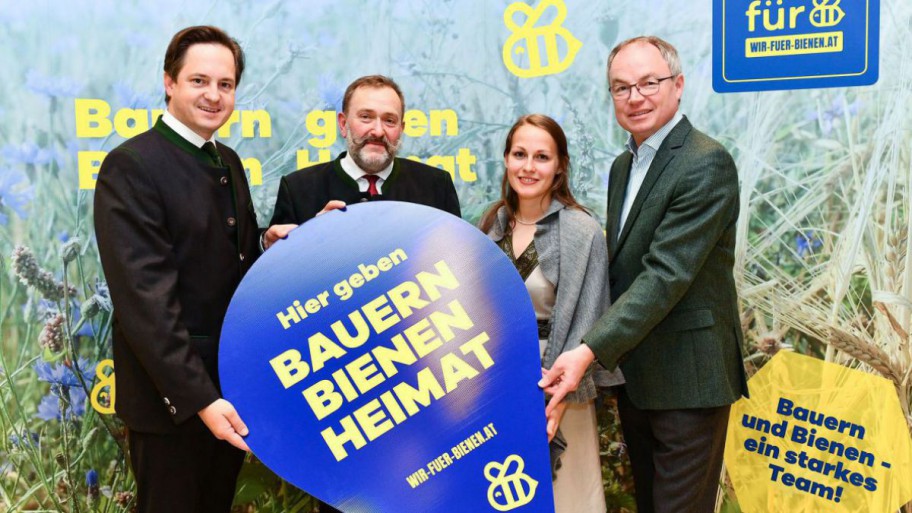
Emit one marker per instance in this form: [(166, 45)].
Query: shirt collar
[(355, 172), (655, 140), (184, 131)]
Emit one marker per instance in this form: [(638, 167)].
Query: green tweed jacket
[(673, 326)]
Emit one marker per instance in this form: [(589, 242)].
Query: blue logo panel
[(385, 359), (763, 45)]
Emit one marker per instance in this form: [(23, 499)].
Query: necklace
[(520, 221)]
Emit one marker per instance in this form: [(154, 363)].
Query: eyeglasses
[(646, 87)]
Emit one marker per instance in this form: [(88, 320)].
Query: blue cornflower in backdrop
[(129, 97), (806, 243), (27, 153), (64, 384), (92, 486), (60, 375), (15, 193), (330, 92), (28, 439), (50, 405), (52, 86)]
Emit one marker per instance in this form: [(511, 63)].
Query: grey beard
[(370, 164)]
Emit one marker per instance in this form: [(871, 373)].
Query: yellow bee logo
[(103, 400), (510, 488), (524, 40), (824, 15)]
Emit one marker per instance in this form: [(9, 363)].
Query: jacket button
[(172, 410), (167, 402), (223, 180), (242, 257), (232, 221)]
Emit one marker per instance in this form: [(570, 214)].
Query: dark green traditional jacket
[(176, 233)]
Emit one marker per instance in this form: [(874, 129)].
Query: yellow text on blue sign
[(444, 461), (775, 18), (823, 14), (372, 368), (802, 44)]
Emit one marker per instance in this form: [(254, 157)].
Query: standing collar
[(184, 131), (355, 172)]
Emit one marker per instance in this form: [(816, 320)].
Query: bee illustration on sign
[(525, 40), (510, 487), (824, 15), (103, 394)]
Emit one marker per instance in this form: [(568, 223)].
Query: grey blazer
[(674, 326), (574, 258)]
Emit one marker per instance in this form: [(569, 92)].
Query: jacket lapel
[(664, 156), (617, 183)]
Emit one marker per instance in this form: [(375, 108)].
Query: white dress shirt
[(355, 172), (639, 166), (184, 131)]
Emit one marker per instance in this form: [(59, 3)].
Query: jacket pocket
[(687, 320)]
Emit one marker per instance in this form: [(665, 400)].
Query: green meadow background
[(826, 185)]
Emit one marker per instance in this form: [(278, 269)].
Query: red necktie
[(372, 184)]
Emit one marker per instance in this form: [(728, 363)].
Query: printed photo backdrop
[(825, 181)]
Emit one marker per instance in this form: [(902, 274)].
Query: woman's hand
[(554, 419), (565, 375)]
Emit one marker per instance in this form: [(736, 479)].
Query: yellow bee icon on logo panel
[(824, 15)]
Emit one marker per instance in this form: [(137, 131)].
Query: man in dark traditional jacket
[(371, 122), (176, 232)]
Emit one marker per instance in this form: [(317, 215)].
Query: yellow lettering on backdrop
[(92, 118), (322, 125), (458, 166), (303, 158), (249, 120), (94, 121), (88, 163), (254, 170)]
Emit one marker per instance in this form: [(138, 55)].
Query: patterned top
[(527, 261), (526, 265)]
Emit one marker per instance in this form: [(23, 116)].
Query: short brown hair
[(377, 81), (200, 34)]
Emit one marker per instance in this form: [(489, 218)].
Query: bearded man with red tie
[(371, 122)]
